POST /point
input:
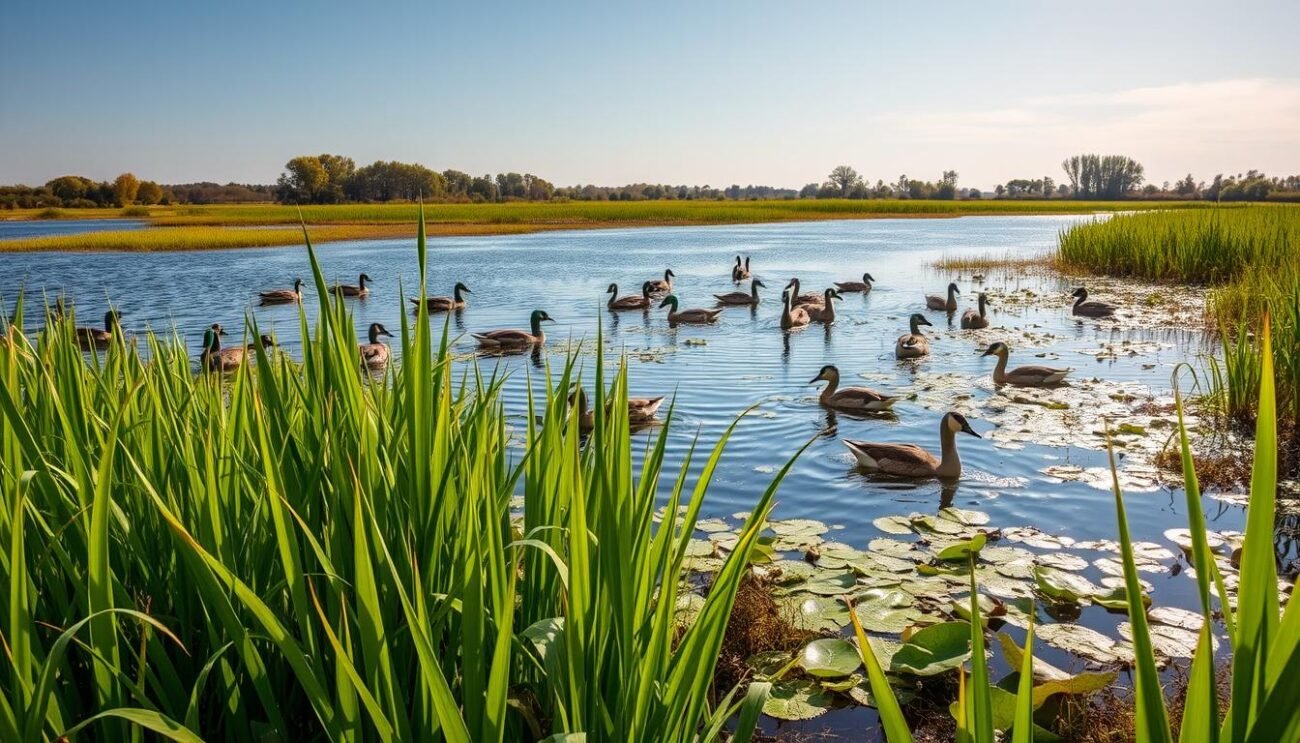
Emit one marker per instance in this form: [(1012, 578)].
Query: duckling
[(375, 354), (690, 316), (630, 302), (511, 339), (802, 299), (444, 304), (665, 286), (976, 320), (850, 399), (825, 312), (791, 316), (353, 290), (1090, 309), (913, 345), (217, 359), (862, 286), (936, 302), (910, 460), (749, 298), (91, 338), (282, 296), (1022, 376), (740, 271)]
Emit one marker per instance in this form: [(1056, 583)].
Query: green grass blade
[(1023, 729), (891, 715)]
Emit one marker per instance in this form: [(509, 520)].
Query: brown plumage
[(630, 302), (741, 298), (1090, 309), (912, 344), (856, 286), (456, 301), (910, 460), (693, 316), (1022, 376), (850, 399), (973, 319), (825, 312), (664, 286), (375, 354), (358, 289), (937, 302), (283, 296), (92, 338), (513, 339)]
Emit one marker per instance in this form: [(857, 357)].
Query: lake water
[(15, 229), (745, 360)]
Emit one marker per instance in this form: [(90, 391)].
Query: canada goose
[(740, 271), (630, 302), (1022, 376), (856, 286), (912, 344), (353, 290), (217, 359), (825, 312), (910, 460), (443, 304), (791, 316), (975, 320), (663, 286), (375, 354), (690, 316), (745, 298), (936, 302), (283, 296), (91, 338), (851, 399), (802, 299), (1090, 309), (510, 338)]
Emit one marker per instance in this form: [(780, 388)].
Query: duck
[(740, 271), (353, 290), (375, 354), (910, 460), (663, 286), (850, 399), (690, 316), (217, 359), (283, 296), (743, 298), (791, 316), (444, 304), (972, 319), (510, 338), (1090, 309), (802, 299), (862, 286), (630, 302), (91, 338), (825, 312), (1022, 376), (913, 345), (937, 302), (640, 410)]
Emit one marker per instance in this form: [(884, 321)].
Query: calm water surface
[(718, 372), (14, 229)]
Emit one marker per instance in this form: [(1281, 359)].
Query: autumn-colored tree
[(149, 193), (125, 188)]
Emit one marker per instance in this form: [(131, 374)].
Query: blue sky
[(756, 92)]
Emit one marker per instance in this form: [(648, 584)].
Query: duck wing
[(898, 458)]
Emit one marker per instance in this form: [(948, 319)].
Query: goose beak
[(815, 379), (988, 352), (967, 429)]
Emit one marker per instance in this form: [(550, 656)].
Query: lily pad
[(786, 571), (1063, 561), (891, 548), (933, 524), (1084, 642), (824, 584), (894, 525), (803, 527), (768, 662), (816, 613), (1116, 598), (963, 550), (829, 658), (1175, 617), (797, 699), (699, 548), (711, 525), (933, 650), (964, 517), (1183, 538), (1036, 538), (1064, 586), (888, 563), (1168, 642)]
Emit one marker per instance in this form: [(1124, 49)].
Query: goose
[(1022, 376), (740, 271), (630, 302), (976, 320), (91, 338), (1090, 309), (217, 359), (850, 399), (283, 296), (690, 316), (912, 344), (375, 354), (663, 286), (856, 286), (937, 302), (791, 316), (802, 299), (825, 312), (910, 460), (443, 304), (746, 298), (510, 338), (353, 290)]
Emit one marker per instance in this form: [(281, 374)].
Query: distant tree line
[(74, 191), (333, 179)]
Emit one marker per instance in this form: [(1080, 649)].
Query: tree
[(70, 187), (149, 193), (125, 188), (1098, 177), (844, 178), (304, 177)]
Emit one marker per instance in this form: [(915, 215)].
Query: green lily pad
[(795, 542), (1004, 708), (1084, 642), (699, 548), (999, 555), (797, 699), (1017, 569), (933, 650), (725, 540), (824, 584), (1116, 598), (935, 525), (1064, 586), (1036, 538), (990, 608), (703, 564), (964, 517), (768, 662), (871, 563), (711, 525), (894, 524), (786, 571), (892, 547), (843, 685), (1063, 561), (829, 658), (815, 613), (861, 693), (802, 527), (963, 550), (1083, 683)]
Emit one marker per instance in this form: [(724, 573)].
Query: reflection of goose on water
[(910, 460)]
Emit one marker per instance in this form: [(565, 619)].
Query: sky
[(716, 93)]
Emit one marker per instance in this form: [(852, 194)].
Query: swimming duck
[(664, 286), (443, 304), (1090, 309), (851, 399), (218, 359), (630, 302), (91, 338), (791, 316), (802, 299), (740, 271), (975, 320), (1022, 376), (283, 296), (856, 286), (744, 298), (913, 345), (936, 302), (375, 354), (640, 410), (353, 290), (693, 316), (510, 338), (825, 312), (910, 460)]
